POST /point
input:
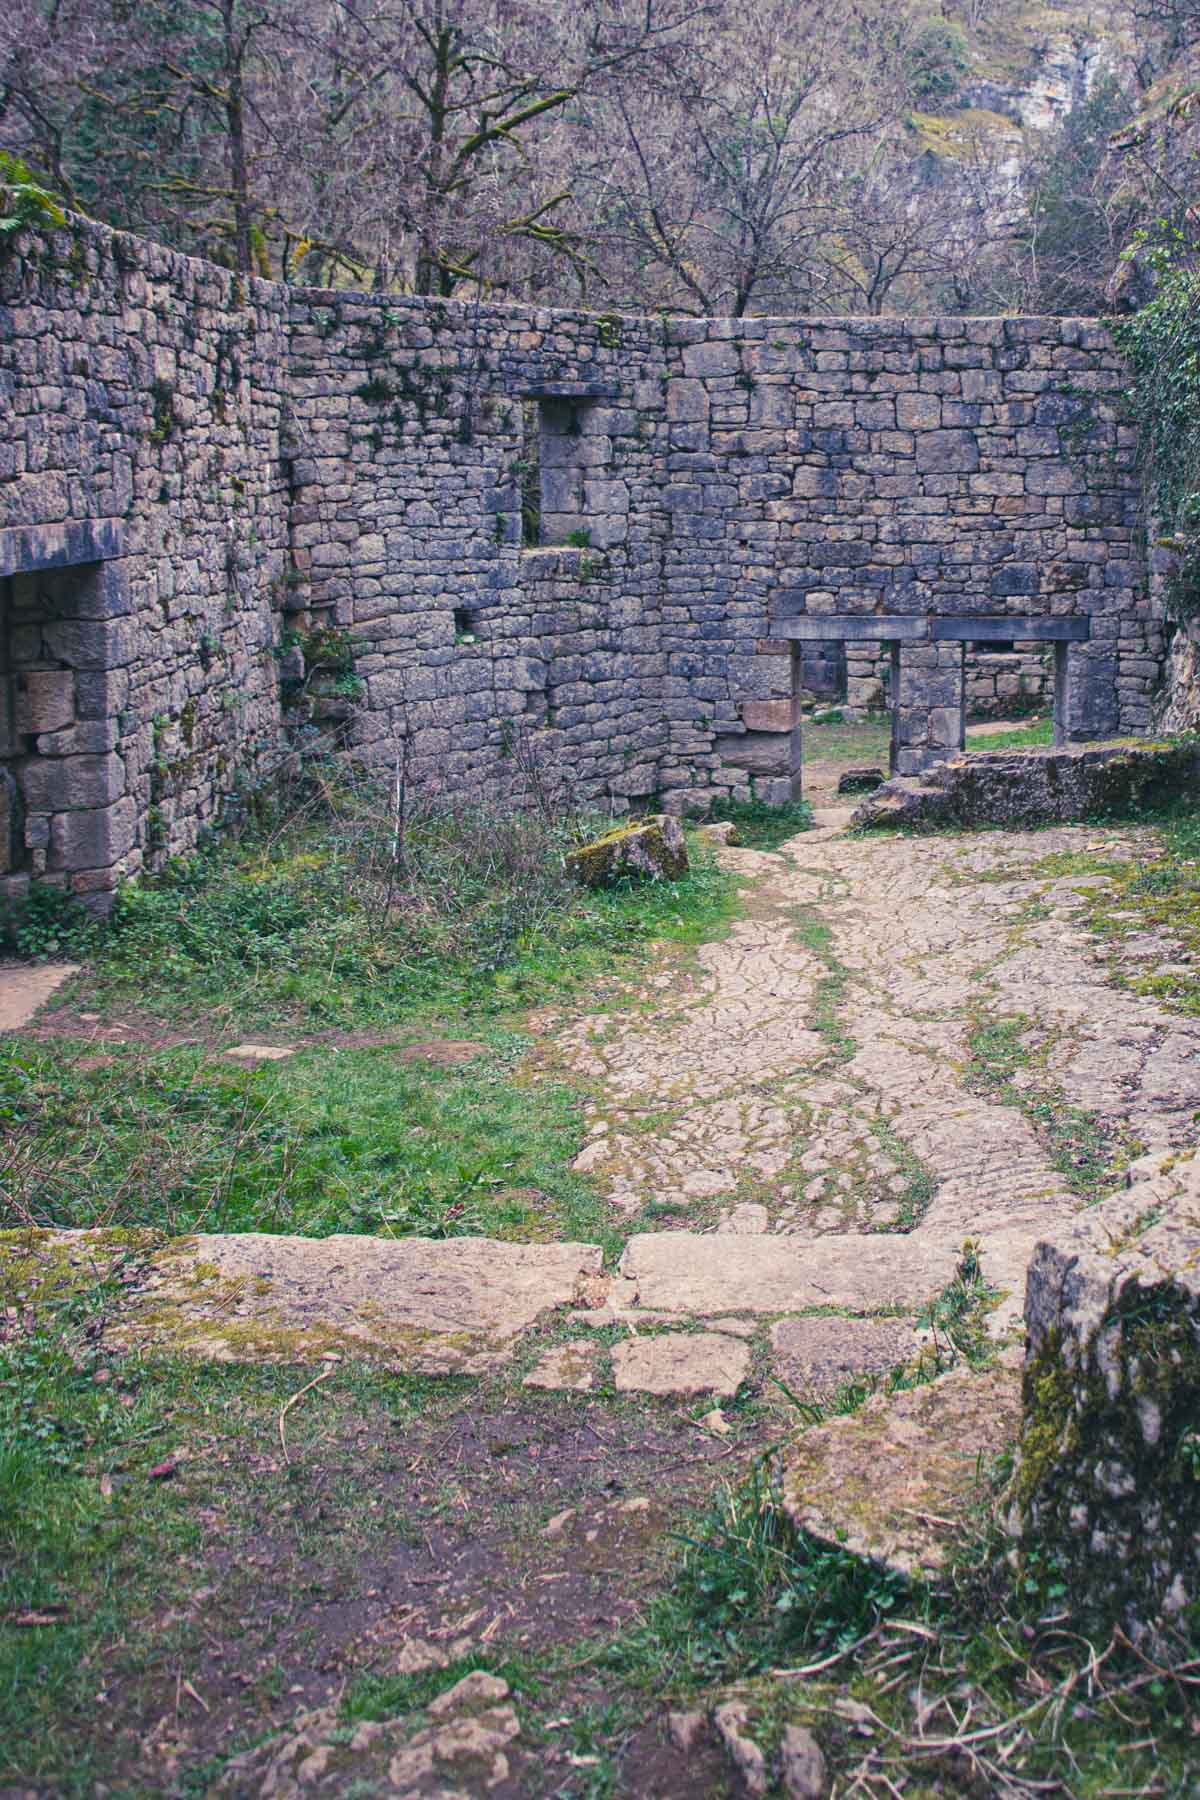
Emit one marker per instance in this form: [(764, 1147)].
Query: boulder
[(647, 849), (1105, 1489)]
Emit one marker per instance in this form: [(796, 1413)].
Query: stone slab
[(457, 1304), (896, 1480), (821, 1353), (27, 548), (1008, 628), (568, 1367), (26, 987), (684, 1363), (690, 1272), (854, 627), (261, 1052)]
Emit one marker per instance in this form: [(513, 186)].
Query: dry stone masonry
[(515, 532)]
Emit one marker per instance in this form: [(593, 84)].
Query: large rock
[(1029, 787), (895, 1480), (1106, 1492), (648, 849)]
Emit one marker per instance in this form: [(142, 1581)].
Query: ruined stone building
[(616, 537)]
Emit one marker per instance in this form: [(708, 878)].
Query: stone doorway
[(65, 815)]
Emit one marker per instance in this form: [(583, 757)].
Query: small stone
[(476, 1688), (860, 781), (557, 1525), (803, 1764), (693, 1362), (743, 1752), (262, 1052), (685, 1729), (568, 1367), (716, 1422), (417, 1656)]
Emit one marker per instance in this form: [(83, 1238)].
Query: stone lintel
[(568, 390), (1009, 628), (881, 628), (25, 549)]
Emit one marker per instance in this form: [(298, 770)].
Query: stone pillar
[(928, 709), (1085, 693)]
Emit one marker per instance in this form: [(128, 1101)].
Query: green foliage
[(1038, 732), (763, 827), (24, 200), (579, 540), (936, 59), (1162, 345), (46, 923), (748, 1591)]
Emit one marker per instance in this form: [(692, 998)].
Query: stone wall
[(546, 535), (143, 539)]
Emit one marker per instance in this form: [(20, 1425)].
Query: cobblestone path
[(826, 1073)]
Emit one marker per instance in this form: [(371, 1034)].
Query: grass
[(1079, 1148), (866, 741), (331, 1141), (763, 827), (1022, 737), (300, 929), (1157, 894)]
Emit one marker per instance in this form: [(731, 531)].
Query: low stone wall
[(1106, 1491), (1028, 787)]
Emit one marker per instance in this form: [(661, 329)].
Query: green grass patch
[(867, 741), (830, 991), (1022, 737), (1079, 1148), (331, 1141), (763, 827)]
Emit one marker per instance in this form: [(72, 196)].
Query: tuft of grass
[(1079, 1147), (763, 827)]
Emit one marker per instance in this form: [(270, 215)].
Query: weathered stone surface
[(463, 1750), (649, 850), (895, 1479), (681, 1362), (745, 1755), (440, 1306), (570, 1367), (25, 989), (820, 1354), (45, 700), (801, 1764), (1106, 1480), (256, 1053), (679, 1271), (1029, 786)]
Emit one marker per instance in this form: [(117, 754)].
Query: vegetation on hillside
[(633, 154)]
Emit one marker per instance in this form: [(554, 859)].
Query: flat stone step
[(897, 1480), (687, 1272), (435, 1305)]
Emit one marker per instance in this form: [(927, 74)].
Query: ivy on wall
[(1162, 344)]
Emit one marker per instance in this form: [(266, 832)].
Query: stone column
[(928, 707), (1085, 692)]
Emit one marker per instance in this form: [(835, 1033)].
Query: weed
[(830, 990), (47, 922), (1078, 1145)]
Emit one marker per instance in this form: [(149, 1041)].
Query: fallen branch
[(288, 1404)]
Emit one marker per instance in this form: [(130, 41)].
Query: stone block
[(711, 359), (769, 715), (947, 453), (45, 700), (687, 401), (69, 783), (918, 412), (95, 839)]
